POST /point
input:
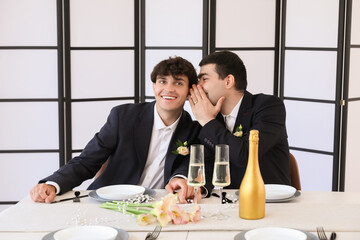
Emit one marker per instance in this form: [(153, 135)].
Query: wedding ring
[(195, 102)]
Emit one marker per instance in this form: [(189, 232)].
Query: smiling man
[(137, 141), (227, 113)]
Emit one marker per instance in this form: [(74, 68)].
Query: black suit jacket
[(262, 112), (124, 141)]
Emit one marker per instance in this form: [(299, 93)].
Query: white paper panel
[(32, 125), (28, 74), (86, 121), (102, 23), (312, 23), (315, 170), (241, 23), (355, 22), (173, 23), (187, 107), (354, 73), (29, 168), (310, 125), (352, 177), (28, 23), (310, 74), (96, 74), (259, 81), (153, 57)]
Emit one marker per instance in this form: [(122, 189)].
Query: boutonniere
[(238, 131), (182, 148)]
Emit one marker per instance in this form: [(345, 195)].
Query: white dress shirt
[(153, 174), (231, 118)]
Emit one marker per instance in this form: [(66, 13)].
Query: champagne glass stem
[(195, 197), (221, 195)]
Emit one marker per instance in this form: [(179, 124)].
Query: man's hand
[(203, 110), (184, 191), (43, 193)]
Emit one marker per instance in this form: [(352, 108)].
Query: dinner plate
[(278, 191), (121, 235), (120, 192), (95, 196), (243, 235), (278, 200), (86, 233)]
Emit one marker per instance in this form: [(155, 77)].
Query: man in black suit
[(222, 106), (137, 141)]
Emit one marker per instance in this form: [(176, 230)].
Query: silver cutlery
[(154, 234), (75, 199), (321, 233)]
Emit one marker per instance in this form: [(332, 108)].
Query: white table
[(339, 212)]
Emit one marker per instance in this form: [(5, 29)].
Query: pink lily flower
[(145, 219), (178, 215), (195, 215)]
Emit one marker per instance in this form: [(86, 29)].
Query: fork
[(154, 234), (321, 233)]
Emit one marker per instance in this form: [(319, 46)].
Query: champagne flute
[(196, 174), (221, 176)]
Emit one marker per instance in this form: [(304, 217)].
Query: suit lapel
[(143, 131), (243, 116), (181, 133)]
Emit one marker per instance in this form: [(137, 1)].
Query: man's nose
[(169, 87)]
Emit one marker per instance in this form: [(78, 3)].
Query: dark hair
[(175, 66), (228, 63)]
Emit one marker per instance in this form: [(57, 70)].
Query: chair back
[(294, 173)]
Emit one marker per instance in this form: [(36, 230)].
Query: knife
[(67, 199)]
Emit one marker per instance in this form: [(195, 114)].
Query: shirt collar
[(235, 110), (159, 124)]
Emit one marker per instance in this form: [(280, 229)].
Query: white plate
[(275, 233), (120, 192), (309, 236), (121, 235), (93, 195), (277, 191), (86, 233)]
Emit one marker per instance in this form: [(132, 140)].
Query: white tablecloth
[(334, 211)]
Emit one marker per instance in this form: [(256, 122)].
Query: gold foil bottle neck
[(254, 136)]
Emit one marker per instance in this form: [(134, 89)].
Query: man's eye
[(162, 81), (179, 84)]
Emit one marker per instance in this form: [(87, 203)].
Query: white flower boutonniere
[(182, 148), (238, 132)]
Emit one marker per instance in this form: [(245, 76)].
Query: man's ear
[(230, 81)]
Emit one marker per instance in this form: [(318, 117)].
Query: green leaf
[(179, 143), (175, 152)]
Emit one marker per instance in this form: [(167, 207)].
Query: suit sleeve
[(86, 165)]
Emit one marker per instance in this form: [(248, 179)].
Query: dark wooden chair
[(294, 173)]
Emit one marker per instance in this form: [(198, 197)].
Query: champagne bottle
[(252, 188)]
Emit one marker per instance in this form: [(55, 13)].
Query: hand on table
[(43, 193), (184, 191)]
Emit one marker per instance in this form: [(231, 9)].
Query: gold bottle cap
[(254, 135)]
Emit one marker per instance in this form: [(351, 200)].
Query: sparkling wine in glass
[(196, 174), (221, 175)]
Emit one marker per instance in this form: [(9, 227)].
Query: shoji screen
[(312, 59), (31, 139), (172, 28), (249, 28), (353, 103), (102, 58)]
